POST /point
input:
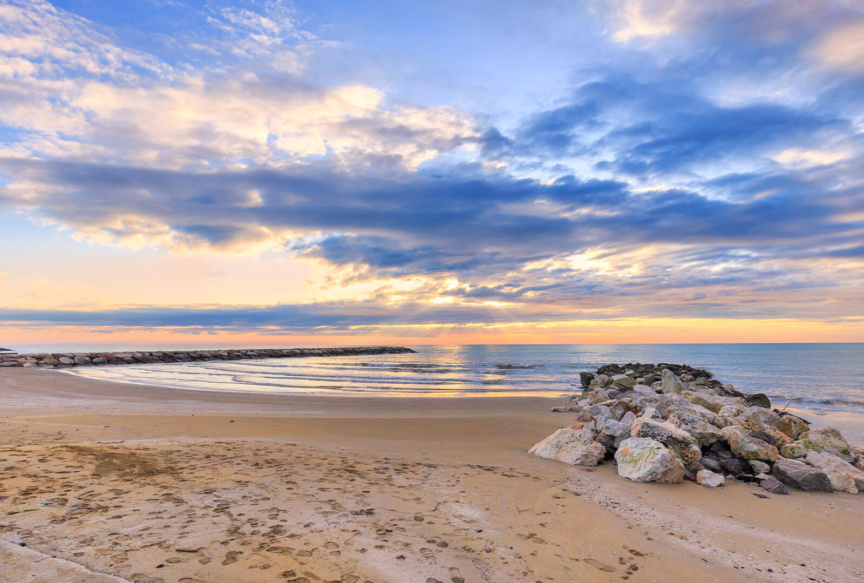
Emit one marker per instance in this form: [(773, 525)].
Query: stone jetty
[(69, 359), (668, 423)]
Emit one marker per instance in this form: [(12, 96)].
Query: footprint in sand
[(601, 566), (456, 576), (231, 557)]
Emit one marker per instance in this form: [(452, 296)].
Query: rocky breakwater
[(668, 423), (68, 360)]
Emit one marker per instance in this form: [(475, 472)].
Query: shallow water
[(826, 377)]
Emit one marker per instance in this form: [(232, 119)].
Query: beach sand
[(115, 482)]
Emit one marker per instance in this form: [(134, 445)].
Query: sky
[(254, 172)]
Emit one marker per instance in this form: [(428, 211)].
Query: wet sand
[(114, 482)]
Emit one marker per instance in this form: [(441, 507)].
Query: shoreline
[(232, 487)]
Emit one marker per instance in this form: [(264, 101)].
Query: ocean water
[(824, 377)]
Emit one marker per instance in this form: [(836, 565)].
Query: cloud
[(77, 94), (710, 166)]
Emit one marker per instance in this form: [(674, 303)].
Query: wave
[(516, 366)]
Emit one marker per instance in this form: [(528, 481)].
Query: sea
[(817, 377)]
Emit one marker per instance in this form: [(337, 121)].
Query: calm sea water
[(827, 377)]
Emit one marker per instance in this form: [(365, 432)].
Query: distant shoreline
[(76, 359)]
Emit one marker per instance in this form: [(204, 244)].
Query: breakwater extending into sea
[(72, 359)]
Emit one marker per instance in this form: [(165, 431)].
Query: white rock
[(709, 479), (628, 418), (645, 460), (571, 446), (582, 455), (843, 475)]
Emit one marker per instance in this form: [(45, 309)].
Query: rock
[(800, 475), (582, 455), (645, 460), (713, 403), (793, 450), (759, 467), (615, 428), (649, 413), (552, 446), (670, 383), (623, 381), (759, 399), (775, 486), (731, 410), (586, 378), (571, 445), (709, 479), (747, 447), (628, 418), (703, 432), (733, 466), (644, 390), (792, 426), (825, 439), (710, 464), (843, 475), (65, 360), (760, 418), (682, 443), (771, 436)]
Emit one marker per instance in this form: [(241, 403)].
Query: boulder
[(575, 446), (760, 418), (792, 426), (709, 479), (800, 475), (682, 443), (825, 439), (713, 403), (843, 475), (550, 447), (710, 464), (747, 447), (759, 399), (734, 467), (703, 432), (615, 428), (582, 455), (670, 384), (793, 450), (759, 467), (645, 460), (623, 381), (775, 486)]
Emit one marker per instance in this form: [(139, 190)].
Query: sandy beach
[(102, 481)]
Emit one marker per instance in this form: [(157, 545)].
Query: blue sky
[(433, 169)]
